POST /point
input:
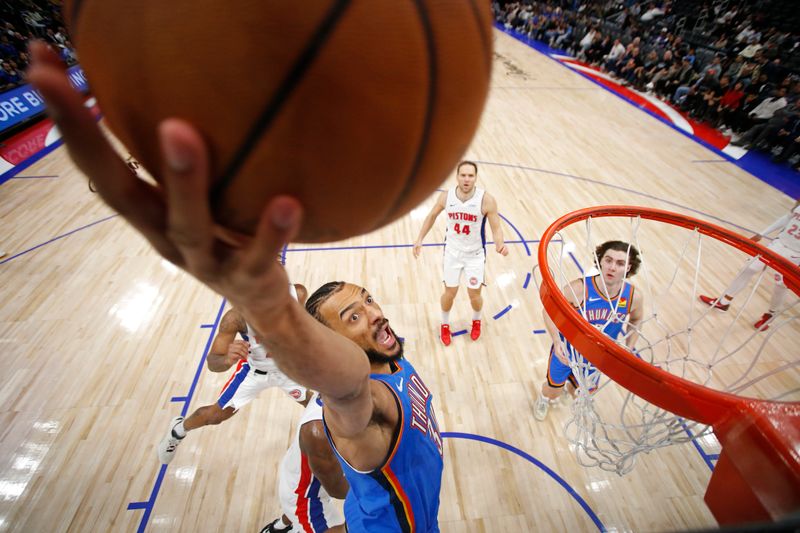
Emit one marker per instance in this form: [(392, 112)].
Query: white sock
[(476, 315), (178, 430), (776, 302), (445, 318), (739, 283)]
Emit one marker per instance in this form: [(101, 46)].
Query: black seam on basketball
[(426, 126), (487, 48), (287, 86), (74, 14)]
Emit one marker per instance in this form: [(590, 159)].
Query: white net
[(609, 426)]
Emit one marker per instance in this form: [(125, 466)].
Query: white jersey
[(790, 234), (465, 222), (258, 357), (303, 498)]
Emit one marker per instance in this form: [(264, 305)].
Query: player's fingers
[(189, 224), (280, 222), (134, 199)]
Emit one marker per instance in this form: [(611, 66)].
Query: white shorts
[(784, 251), (304, 500), (246, 383), (472, 264)]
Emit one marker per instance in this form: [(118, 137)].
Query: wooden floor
[(99, 336)]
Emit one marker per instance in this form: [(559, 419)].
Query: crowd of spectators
[(724, 64), (20, 22)]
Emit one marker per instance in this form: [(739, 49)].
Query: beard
[(375, 356)]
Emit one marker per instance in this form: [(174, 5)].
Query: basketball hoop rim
[(657, 386)]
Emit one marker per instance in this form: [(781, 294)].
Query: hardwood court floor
[(99, 335)]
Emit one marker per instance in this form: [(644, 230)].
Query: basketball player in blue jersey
[(607, 301), (468, 208), (377, 410)]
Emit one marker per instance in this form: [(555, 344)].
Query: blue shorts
[(558, 373)]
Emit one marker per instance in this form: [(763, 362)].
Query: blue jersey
[(402, 495), (606, 314)]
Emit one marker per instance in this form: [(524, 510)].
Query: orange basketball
[(357, 108)]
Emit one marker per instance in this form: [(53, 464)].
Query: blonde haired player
[(468, 207), (786, 244)]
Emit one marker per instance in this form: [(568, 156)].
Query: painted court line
[(57, 238), (186, 400), (528, 457)]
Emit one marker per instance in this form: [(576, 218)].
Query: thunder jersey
[(403, 494), (790, 234), (607, 315), (466, 224), (258, 357)]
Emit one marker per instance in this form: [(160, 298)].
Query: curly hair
[(634, 259)]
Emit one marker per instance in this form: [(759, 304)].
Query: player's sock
[(778, 294), (476, 315), (178, 430), (445, 317)]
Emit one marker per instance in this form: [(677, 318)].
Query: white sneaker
[(540, 408), (168, 445)]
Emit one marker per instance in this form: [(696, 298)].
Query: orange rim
[(659, 387)]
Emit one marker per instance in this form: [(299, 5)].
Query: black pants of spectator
[(790, 148), (741, 121), (761, 133)]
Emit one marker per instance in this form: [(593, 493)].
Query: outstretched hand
[(174, 217)]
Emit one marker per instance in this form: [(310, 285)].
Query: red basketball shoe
[(763, 322), (716, 303), (476, 330), (445, 334)]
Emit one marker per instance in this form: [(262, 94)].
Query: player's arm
[(427, 224), (314, 444), (573, 292), (778, 224), (226, 350), (490, 210), (176, 219), (635, 318)]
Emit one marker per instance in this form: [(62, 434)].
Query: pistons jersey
[(790, 234), (402, 495), (466, 224), (258, 357)]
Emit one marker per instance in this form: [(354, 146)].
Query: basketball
[(359, 109)]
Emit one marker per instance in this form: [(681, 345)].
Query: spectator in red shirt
[(728, 104)]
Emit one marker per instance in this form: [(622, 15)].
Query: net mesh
[(610, 426)]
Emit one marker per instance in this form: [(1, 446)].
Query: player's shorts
[(304, 500), (246, 383), (558, 373), (472, 264), (784, 251)]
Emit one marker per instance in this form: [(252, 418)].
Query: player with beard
[(377, 411), (394, 466)]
